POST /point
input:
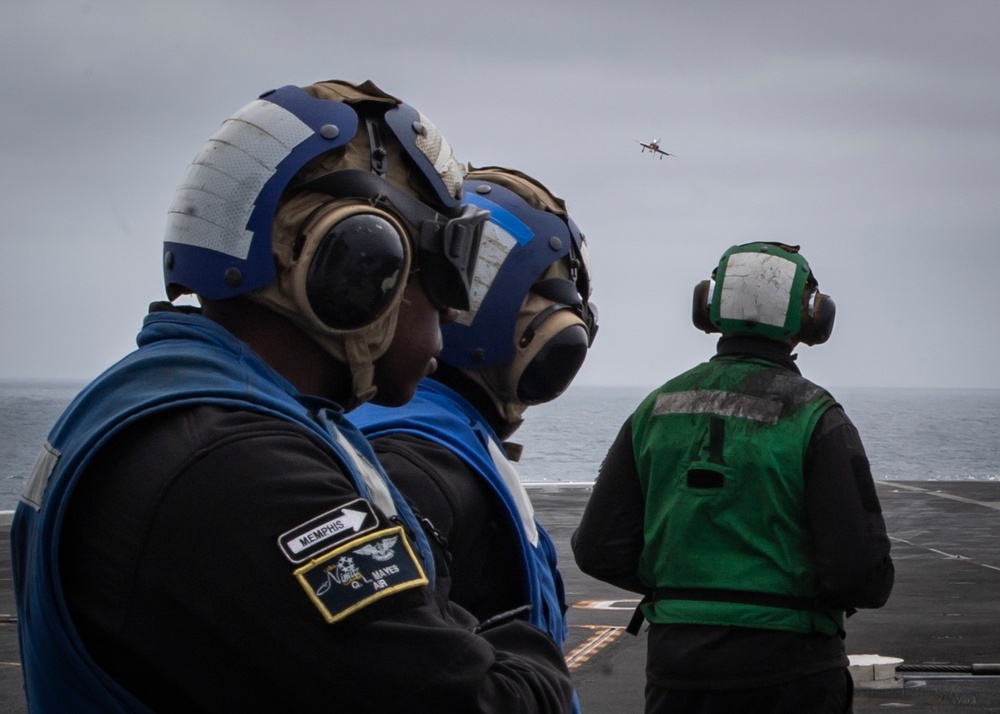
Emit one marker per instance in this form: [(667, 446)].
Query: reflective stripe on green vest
[(719, 451)]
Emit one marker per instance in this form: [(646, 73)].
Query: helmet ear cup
[(701, 307), (356, 270), (817, 320), (555, 365)]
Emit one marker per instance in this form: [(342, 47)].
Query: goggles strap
[(379, 156)]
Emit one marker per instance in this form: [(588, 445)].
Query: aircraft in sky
[(654, 148)]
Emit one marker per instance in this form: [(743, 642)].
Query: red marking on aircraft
[(654, 148)]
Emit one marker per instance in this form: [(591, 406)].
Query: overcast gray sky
[(866, 131)]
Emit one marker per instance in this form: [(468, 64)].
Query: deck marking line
[(941, 552), (606, 604), (995, 505), (603, 636)]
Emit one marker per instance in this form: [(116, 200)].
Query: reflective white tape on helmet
[(438, 151), (496, 245), (757, 287), (214, 201)]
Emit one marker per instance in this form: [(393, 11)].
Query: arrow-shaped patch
[(322, 533)]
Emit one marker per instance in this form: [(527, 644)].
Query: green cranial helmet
[(764, 289)]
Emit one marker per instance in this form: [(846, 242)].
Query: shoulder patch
[(323, 532), (361, 572)]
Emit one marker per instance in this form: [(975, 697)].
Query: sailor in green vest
[(738, 500)]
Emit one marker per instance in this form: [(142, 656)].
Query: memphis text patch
[(328, 530), (361, 572)]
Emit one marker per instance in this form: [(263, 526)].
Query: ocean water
[(910, 434)]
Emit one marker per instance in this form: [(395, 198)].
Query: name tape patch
[(328, 530), (361, 572)]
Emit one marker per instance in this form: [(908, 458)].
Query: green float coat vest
[(720, 453)]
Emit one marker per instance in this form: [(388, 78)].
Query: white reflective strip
[(34, 489), (710, 401), (757, 287), (263, 120), (438, 151), (496, 245), (516, 488), (377, 489), (217, 194)]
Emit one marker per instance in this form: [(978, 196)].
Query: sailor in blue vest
[(521, 342), (205, 529), (739, 501)]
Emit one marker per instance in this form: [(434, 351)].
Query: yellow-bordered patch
[(363, 571)]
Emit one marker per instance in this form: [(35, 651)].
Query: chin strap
[(362, 370), (510, 410)]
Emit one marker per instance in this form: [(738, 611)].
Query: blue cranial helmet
[(319, 203), (218, 237), (530, 320)]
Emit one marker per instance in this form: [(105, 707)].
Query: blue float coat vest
[(440, 415), (182, 360)]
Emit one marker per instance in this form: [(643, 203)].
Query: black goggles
[(566, 295), (447, 247)]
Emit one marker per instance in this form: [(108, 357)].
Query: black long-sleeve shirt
[(486, 574), (179, 588)]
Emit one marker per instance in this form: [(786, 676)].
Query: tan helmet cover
[(529, 189), (358, 348), (304, 217)]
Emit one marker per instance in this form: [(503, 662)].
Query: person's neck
[(475, 395), (760, 347), (283, 346)]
